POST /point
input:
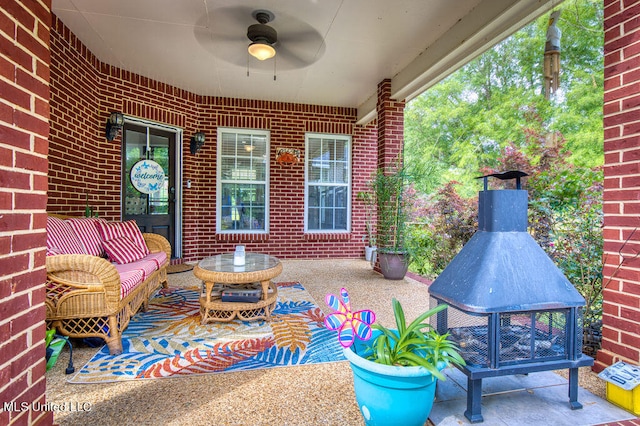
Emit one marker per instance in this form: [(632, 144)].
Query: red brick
[(29, 241), (14, 222), (29, 280), (7, 70), (15, 95), (30, 201), (621, 350), (31, 123)]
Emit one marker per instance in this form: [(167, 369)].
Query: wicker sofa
[(88, 295)]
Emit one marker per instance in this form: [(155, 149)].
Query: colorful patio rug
[(168, 340)]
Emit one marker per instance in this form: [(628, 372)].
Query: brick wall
[(24, 115), (74, 140), (83, 162), (621, 334)]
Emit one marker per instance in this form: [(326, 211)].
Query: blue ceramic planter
[(389, 395)]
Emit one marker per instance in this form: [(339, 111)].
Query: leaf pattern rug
[(169, 341)]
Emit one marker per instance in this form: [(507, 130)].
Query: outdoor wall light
[(114, 124), (197, 140)]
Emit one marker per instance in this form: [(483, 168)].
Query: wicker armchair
[(84, 295)]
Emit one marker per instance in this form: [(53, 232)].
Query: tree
[(463, 124)]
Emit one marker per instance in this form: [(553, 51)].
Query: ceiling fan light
[(261, 51)]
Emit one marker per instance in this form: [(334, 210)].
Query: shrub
[(445, 225)]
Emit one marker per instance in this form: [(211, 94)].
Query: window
[(243, 176), (327, 183)]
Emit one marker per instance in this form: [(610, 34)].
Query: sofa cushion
[(61, 239), (122, 250), (147, 265), (129, 280), (159, 258), (86, 230), (110, 230)]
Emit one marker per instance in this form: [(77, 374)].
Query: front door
[(148, 173)]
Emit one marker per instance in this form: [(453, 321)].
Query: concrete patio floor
[(522, 400), (320, 394)]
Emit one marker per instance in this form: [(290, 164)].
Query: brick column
[(390, 131), (621, 273), (24, 129), (390, 126)]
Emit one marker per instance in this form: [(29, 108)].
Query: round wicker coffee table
[(219, 270)]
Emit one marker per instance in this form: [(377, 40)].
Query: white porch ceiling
[(339, 49)]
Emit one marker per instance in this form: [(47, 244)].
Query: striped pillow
[(110, 230), (122, 250), (61, 239), (87, 231)]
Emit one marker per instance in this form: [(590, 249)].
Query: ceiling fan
[(262, 36), (232, 34)]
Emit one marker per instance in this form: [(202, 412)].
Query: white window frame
[(348, 184), (219, 181)]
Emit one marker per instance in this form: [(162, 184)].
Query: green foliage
[(448, 222), (464, 123), (416, 344), (572, 199), (578, 252), (393, 208), (424, 242)]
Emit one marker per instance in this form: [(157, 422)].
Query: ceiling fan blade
[(311, 37), (232, 18), (289, 59), (223, 33)]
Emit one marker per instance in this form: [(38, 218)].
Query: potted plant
[(392, 213), (367, 198), (394, 370)]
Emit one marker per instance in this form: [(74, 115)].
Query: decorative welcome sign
[(287, 155), (147, 176)]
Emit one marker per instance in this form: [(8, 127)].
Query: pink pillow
[(122, 250), (87, 231), (110, 230), (61, 239)]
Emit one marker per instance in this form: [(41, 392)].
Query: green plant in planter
[(417, 344), (393, 208), (394, 371)]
